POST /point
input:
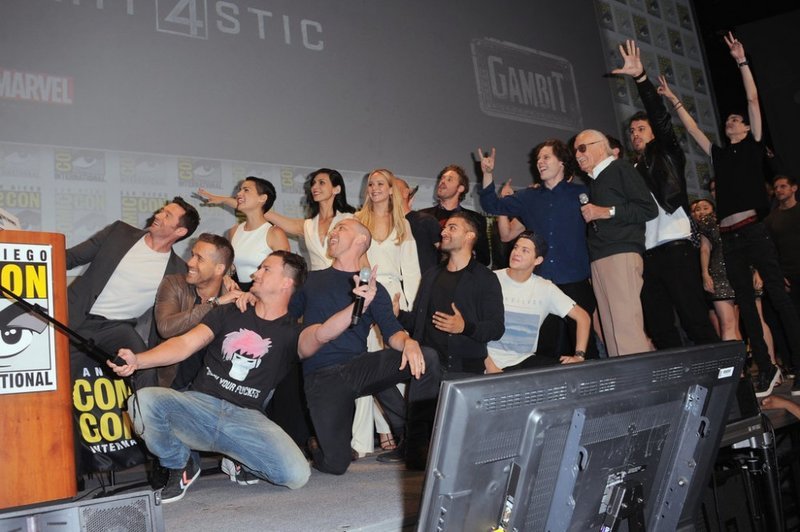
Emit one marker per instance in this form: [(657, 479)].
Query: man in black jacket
[(619, 207), (672, 280), (459, 305)]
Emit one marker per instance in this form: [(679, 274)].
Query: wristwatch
[(612, 211), (214, 301)]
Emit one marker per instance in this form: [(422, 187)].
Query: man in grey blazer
[(115, 293)]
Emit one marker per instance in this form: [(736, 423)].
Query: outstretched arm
[(293, 226), (172, 351), (215, 199), (776, 401), (753, 109), (688, 122)]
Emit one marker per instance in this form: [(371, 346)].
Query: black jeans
[(751, 246), (331, 393), (557, 335), (111, 336), (673, 283)]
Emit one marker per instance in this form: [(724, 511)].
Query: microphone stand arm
[(86, 345)]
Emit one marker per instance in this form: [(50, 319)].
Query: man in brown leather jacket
[(183, 300)]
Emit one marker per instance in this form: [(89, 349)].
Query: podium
[(37, 453)]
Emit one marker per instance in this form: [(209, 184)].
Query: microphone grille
[(583, 198), (364, 274)]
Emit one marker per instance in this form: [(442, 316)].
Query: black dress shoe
[(391, 457)]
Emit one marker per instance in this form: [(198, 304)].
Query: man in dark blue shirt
[(552, 211), (342, 370)]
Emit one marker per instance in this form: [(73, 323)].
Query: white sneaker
[(237, 473)]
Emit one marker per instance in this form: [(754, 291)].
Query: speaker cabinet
[(134, 512)]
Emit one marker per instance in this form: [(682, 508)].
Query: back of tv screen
[(560, 448)]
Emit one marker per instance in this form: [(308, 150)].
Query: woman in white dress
[(393, 248), (394, 252), (255, 238)]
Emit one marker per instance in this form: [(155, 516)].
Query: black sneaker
[(767, 381), (237, 473), (179, 480), (796, 387)]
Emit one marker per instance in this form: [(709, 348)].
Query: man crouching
[(248, 354)]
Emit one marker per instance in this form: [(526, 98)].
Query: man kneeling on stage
[(248, 353)]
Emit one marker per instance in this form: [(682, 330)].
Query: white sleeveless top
[(250, 249)]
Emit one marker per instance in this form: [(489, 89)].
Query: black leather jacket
[(663, 161)]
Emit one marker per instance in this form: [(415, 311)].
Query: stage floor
[(371, 496)]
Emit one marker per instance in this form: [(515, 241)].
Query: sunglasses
[(582, 147)]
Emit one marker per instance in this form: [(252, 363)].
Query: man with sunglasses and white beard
[(620, 204)]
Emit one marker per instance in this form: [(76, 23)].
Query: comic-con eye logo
[(244, 349), (17, 330)]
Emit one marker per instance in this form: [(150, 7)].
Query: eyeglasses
[(582, 147)]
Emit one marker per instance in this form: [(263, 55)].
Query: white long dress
[(398, 272)]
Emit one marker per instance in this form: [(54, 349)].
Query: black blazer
[(478, 297)]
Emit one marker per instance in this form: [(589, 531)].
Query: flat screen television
[(618, 444)]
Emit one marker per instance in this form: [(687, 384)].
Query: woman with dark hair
[(255, 238), (326, 199), (712, 268), (715, 277)]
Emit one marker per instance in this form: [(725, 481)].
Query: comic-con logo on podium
[(27, 346)]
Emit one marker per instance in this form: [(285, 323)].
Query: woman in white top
[(255, 238), (394, 251), (326, 199), (393, 248)]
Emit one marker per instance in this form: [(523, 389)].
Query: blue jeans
[(172, 423), (752, 246)]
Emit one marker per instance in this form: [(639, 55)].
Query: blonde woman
[(394, 252)]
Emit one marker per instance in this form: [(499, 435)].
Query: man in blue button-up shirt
[(552, 211)]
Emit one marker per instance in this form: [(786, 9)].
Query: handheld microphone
[(358, 306), (584, 199)]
